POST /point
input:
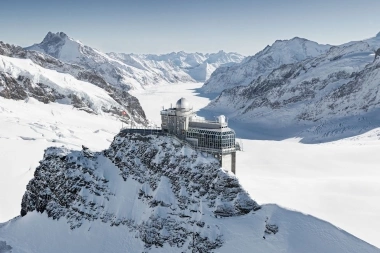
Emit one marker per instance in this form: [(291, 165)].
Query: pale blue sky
[(162, 26)]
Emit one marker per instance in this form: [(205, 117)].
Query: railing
[(219, 151), (144, 131), (158, 131)]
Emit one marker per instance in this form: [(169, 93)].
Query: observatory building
[(214, 137)]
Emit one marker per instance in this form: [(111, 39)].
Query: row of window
[(212, 139)]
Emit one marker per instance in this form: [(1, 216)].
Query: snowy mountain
[(152, 194), (262, 63), (330, 96), (185, 66), (25, 74), (131, 71)]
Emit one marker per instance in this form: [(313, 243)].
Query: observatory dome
[(183, 104)]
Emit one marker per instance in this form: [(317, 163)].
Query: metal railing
[(160, 132), (144, 131)]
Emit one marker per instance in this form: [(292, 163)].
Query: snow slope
[(21, 77), (62, 83), (152, 194), (131, 71), (28, 127), (261, 64)]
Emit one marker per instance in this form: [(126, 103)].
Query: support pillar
[(233, 162)]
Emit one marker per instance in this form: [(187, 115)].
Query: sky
[(163, 26)]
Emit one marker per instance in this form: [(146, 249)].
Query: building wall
[(213, 137)]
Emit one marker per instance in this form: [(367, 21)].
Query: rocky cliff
[(154, 186)]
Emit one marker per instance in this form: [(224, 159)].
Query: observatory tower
[(214, 137)]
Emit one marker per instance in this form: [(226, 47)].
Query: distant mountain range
[(329, 91), (261, 64), (132, 71), (61, 69), (326, 91)]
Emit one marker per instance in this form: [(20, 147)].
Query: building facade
[(213, 137)]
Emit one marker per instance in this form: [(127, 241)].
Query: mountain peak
[(58, 45), (54, 37), (290, 40), (298, 38)]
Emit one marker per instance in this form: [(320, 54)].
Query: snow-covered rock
[(152, 194), (261, 64), (333, 95), (131, 71), (26, 74)]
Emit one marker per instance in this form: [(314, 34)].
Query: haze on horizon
[(148, 26)]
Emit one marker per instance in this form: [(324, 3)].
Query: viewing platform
[(211, 136)]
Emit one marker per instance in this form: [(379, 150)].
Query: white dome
[(222, 119), (183, 104)]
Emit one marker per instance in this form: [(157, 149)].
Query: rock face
[(171, 189), (19, 81), (262, 63), (132, 71), (339, 87)]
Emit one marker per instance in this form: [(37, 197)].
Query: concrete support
[(228, 161), (233, 162)]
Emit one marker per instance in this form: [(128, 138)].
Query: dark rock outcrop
[(74, 185)]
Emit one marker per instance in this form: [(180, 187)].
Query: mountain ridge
[(132, 71), (21, 80), (338, 84), (262, 63)]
